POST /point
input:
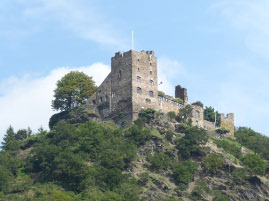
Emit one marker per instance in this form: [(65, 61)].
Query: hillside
[(156, 158)]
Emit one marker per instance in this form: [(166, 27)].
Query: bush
[(185, 115), (147, 113), (230, 148), (254, 163), (190, 144), (159, 161), (169, 135), (183, 173), (172, 115), (212, 163)]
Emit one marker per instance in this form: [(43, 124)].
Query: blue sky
[(218, 50)]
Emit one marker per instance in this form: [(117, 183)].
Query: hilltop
[(159, 157)]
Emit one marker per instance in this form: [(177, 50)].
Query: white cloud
[(169, 70), (26, 101)]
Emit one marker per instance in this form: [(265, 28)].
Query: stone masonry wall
[(165, 105), (227, 122), (144, 81)]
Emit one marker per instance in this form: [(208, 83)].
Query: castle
[(132, 85)]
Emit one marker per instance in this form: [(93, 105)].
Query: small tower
[(227, 122), (182, 94)]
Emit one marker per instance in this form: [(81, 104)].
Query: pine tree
[(9, 141)]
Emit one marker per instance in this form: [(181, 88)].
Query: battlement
[(129, 53), (227, 121)]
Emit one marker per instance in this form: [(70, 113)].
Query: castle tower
[(227, 122), (134, 83), (182, 94)]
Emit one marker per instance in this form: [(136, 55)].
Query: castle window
[(151, 82), (197, 114), (151, 94), (101, 99), (138, 69), (119, 75), (139, 90), (112, 94), (138, 78), (94, 102), (138, 60), (150, 64), (148, 100), (99, 92), (106, 98), (150, 72)]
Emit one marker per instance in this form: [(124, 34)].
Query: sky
[(218, 50)]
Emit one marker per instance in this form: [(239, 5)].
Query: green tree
[(183, 173), (185, 115), (212, 163), (9, 141), (254, 163), (210, 114), (72, 91)]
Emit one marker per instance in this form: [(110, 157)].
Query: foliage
[(185, 115), (222, 131), (169, 135), (239, 176), (190, 144), (72, 90), (229, 147), (9, 141), (171, 115), (178, 100), (147, 113), (210, 114), (212, 163), (254, 141), (254, 163), (137, 134), (159, 161), (143, 178), (184, 172), (160, 93)]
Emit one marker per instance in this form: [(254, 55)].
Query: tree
[(72, 91), (212, 163), (9, 141), (254, 163), (209, 115), (185, 115)]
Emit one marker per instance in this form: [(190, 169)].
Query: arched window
[(138, 78), (197, 114), (150, 72), (119, 75), (139, 90), (138, 69), (151, 82), (151, 93)]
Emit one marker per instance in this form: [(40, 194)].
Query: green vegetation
[(254, 141), (159, 161), (210, 114), (190, 145), (229, 147), (148, 114), (72, 91), (254, 163), (185, 115), (212, 163), (183, 172)]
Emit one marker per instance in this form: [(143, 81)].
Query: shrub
[(254, 163), (183, 173), (159, 161), (171, 115), (169, 135), (185, 115), (147, 113), (212, 163)]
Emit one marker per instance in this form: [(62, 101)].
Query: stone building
[(132, 85)]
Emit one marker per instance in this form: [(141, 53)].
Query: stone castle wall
[(227, 121), (132, 85), (166, 105)]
